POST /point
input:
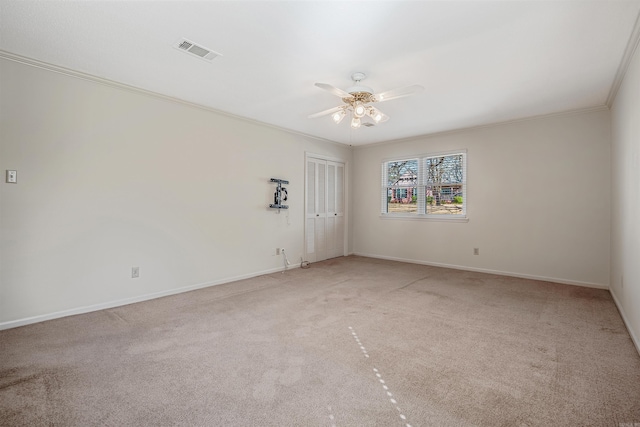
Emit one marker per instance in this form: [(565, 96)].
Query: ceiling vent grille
[(368, 124), (197, 50)]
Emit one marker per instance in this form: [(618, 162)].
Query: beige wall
[(625, 215), (538, 201), (110, 178)]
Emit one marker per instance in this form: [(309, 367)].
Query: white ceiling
[(480, 62)]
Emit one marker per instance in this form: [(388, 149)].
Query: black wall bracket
[(281, 194)]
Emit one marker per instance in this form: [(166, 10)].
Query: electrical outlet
[(476, 251), (135, 272), (277, 251)]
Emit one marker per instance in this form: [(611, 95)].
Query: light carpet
[(347, 342)]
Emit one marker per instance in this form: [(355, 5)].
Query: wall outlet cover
[(12, 177)]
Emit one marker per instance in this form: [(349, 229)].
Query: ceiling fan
[(358, 100)]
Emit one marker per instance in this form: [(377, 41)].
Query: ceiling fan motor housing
[(360, 95), (358, 88)]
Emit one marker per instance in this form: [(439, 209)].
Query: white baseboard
[(118, 303), (634, 338), (485, 270)]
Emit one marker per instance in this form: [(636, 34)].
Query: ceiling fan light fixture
[(359, 109), (374, 114), (338, 116), (355, 123)]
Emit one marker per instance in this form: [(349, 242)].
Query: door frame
[(346, 203)]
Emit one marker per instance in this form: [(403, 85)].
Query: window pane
[(444, 199), (402, 173), (444, 189), (402, 200), (445, 170)]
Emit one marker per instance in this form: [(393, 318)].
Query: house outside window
[(428, 186)]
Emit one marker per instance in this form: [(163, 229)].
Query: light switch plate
[(12, 177)]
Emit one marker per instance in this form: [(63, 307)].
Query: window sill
[(423, 217)]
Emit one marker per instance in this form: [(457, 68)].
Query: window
[(430, 186)]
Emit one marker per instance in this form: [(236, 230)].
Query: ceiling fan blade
[(325, 112), (334, 90), (377, 115), (398, 93)]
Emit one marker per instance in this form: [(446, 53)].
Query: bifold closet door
[(324, 222), (334, 230)]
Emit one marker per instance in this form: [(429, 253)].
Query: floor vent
[(197, 50)]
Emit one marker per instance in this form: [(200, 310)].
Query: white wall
[(110, 178), (538, 201), (625, 214)]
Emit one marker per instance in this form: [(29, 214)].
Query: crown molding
[(632, 46), (117, 85)]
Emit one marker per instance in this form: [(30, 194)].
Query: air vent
[(368, 124), (196, 50)]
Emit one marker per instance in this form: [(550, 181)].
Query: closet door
[(310, 212), (316, 215), (324, 219), (335, 210), (321, 211)]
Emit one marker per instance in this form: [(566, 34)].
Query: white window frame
[(422, 183)]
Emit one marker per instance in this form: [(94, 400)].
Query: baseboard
[(118, 303), (633, 336), (485, 270)]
